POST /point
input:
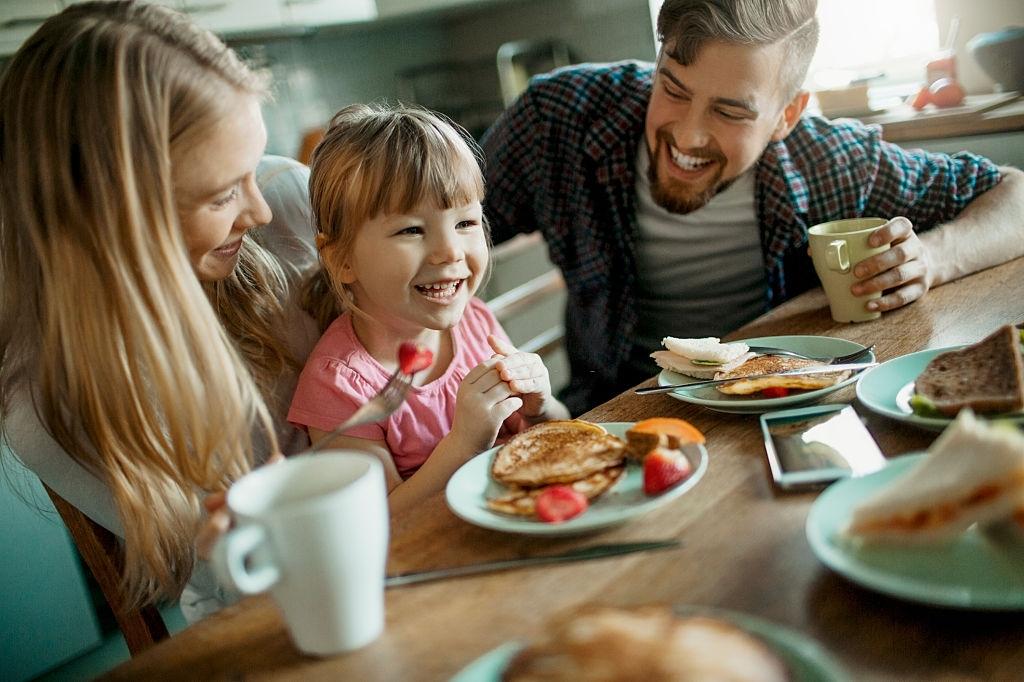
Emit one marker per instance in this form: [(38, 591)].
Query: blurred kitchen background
[(469, 58)]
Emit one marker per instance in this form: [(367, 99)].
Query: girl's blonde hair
[(380, 159), (146, 377)]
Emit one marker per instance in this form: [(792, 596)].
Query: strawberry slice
[(560, 503), (775, 392), (663, 469), (412, 357)]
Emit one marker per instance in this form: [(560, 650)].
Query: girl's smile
[(417, 270), (441, 292)]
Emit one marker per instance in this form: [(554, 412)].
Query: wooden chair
[(101, 551), (543, 289)]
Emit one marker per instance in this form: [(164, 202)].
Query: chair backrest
[(527, 295), (101, 552)]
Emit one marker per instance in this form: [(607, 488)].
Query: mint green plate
[(469, 488), (820, 346), (806, 660), (979, 570), (886, 389)]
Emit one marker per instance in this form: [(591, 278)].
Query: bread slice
[(987, 377), (677, 363), (560, 451), (709, 348), (973, 473)]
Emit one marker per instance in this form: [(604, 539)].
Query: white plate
[(886, 389), (470, 487), (809, 345), (804, 657), (978, 570)]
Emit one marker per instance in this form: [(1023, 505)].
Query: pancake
[(645, 643), (556, 452), (519, 501), (768, 364)]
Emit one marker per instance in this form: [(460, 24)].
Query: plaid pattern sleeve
[(825, 170), (562, 160)]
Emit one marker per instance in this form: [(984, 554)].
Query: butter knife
[(581, 554), (823, 369)]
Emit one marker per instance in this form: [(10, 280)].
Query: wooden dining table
[(743, 549)]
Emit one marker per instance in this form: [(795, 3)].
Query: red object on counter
[(946, 92)]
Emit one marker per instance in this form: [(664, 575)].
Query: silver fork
[(375, 409), (830, 360)]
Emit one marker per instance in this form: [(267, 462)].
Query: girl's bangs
[(426, 167)]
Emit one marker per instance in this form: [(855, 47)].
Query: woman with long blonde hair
[(149, 342)]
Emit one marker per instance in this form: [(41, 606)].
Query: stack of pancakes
[(648, 643), (575, 453)]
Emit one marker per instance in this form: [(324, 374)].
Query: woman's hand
[(218, 519), (483, 403), (903, 271)]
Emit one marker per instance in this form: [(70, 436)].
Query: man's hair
[(685, 26)]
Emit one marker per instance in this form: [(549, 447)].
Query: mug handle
[(837, 257), (229, 560)]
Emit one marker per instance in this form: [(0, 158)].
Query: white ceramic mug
[(836, 248), (314, 531)]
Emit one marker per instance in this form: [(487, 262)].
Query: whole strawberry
[(664, 469)]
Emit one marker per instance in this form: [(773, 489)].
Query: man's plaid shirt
[(562, 160)]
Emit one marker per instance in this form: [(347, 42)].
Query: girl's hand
[(526, 376), (218, 519), (483, 403)]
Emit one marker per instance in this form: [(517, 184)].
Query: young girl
[(396, 195)]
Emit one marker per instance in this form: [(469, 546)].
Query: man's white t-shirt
[(700, 273)]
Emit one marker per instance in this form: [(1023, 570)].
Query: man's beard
[(673, 200)]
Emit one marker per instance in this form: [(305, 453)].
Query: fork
[(829, 360), (376, 408)]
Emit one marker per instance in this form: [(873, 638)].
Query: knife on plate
[(823, 369), (581, 554)]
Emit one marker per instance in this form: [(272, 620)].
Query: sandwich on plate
[(987, 377), (709, 359), (973, 473), (700, 358)]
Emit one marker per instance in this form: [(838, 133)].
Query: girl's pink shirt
[(341, 375)]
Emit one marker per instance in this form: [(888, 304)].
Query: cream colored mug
[(836, 248)]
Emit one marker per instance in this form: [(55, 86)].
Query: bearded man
[(675, 197)]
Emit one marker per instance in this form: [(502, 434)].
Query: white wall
[(976, 16)]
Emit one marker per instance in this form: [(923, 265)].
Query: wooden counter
[(975, 117)]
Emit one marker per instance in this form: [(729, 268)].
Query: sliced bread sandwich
[(973, 473), (987, 377), (700, 358)]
